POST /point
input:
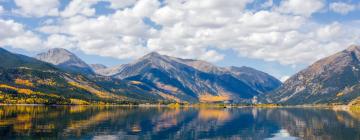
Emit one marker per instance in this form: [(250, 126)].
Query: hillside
[(331, 80), (27, 80)]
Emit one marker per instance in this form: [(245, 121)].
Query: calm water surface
[(102, 123)]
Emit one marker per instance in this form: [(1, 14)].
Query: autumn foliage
[(24, 82), (210, 98)]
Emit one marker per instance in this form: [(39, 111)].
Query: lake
[(132, 123)]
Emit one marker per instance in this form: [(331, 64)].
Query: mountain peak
[(152, 55), (57, 56), (59, 50), (154, 58), (65, 59), (353, 48)]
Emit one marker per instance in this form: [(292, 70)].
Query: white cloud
[(330, 32), (301, 7), (247, 33), (118, 4), (119, 24), (283, 33), (49, 29), (10, 28), (80, 7), (125, 47), (212, 56), (168, 16), (298, 46), (59, 41), (120, 35), (266, 21), (145, 8), (214, 4), (37, 8), (14, 34), (341, 7), (27, 41)]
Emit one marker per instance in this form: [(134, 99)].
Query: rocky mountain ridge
[(65, 60), (195, 80), (331, 80)]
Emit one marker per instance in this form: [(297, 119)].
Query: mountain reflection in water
[(114, 122)]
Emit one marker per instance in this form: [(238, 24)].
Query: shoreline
[(335, 107)]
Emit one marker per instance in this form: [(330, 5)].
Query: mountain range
[(174, 79), (58, 76), (194, 80)]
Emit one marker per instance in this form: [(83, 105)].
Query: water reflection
[(110, 122)]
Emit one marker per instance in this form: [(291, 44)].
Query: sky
[(279, 37)]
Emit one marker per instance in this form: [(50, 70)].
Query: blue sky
[(278, 37)]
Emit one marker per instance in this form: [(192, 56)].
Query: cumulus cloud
[(14, 34), (282, 36), (144, 8), (119, 4), (301, 7), (10, 29), (59, 41), (283, 32), (49, 29), (121, 35), (79, 7), (37, 8), (341, 7), (125, 47)]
